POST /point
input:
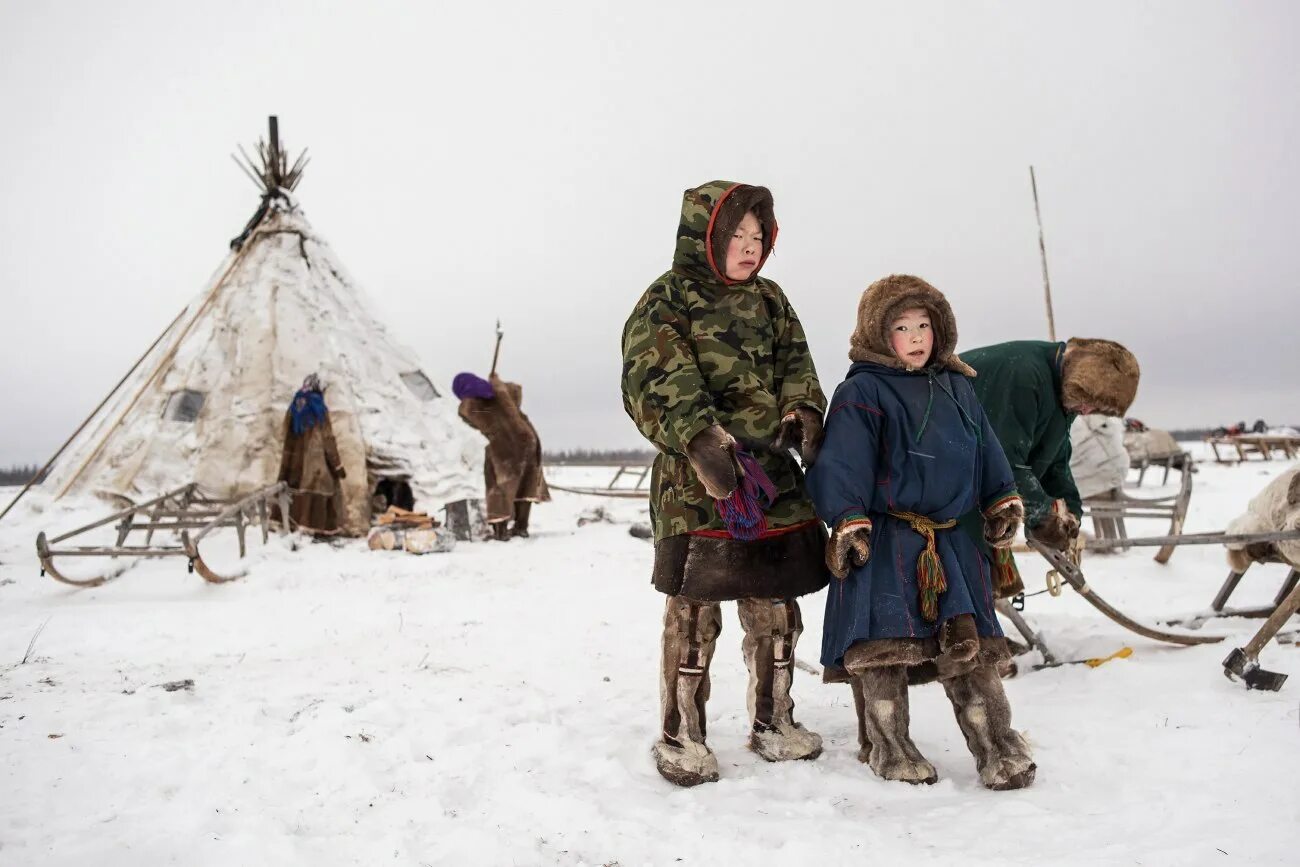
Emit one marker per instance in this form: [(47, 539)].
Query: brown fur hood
[(1100, 373), (883, 301)]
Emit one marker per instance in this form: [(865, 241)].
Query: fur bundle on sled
[(1276, 509)]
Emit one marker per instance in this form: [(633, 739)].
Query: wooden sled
[(1070, 572), (1110, 511), (1181, 461), (1245, 445), (640, 473), (178, 511), (1218, 607)]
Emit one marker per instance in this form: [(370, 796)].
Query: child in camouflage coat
[(717, 375)]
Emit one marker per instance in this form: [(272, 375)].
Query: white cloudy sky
[(526, 161)]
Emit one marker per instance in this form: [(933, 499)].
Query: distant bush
[(598, 456), (17, 475)]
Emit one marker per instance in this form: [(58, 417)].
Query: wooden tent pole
[(1042, 250), (170, 354), (93, 413)]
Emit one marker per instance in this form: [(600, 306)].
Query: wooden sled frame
[(1218, 607), (639, 490), (1071, 574), (1181, 461), (1110, 510), (1248, 444), (181, 510)]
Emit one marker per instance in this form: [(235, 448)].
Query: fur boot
[(500, 531), (1001, 753), (690, 633), (772, 628), (880, 696)]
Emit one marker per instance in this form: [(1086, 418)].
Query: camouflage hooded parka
[(700, 350)]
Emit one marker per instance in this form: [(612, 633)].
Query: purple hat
[(468, 385)]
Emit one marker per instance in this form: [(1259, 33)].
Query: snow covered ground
[(496, 705)]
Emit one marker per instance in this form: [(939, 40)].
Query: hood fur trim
[(1100, 373), (883, 301)]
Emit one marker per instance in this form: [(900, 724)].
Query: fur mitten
[(712, 453), (801, 428), (1058, 528), (1002, 522), (850, 540)]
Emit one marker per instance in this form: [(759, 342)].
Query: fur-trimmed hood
[(710, 213), (1099, 373), (883, 301)]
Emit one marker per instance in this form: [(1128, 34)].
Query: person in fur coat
[(907, 451), (1032, 390), (718, 377), (309, 462), (512, 460)]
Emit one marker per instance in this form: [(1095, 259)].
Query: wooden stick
[(93, 413), (235, 259), (1042, 250), (496, 353)]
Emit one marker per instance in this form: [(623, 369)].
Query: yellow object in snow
[(1122, 653)]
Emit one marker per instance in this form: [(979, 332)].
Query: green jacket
[(1019, 386), (698, 352)]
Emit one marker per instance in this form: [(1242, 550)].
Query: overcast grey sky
[(523, 161)]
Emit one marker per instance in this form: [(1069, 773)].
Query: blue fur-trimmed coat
[(907, 441)]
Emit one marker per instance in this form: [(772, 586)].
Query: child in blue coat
[(907, 452)]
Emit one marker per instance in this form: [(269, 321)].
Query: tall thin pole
[(1042, 250), (496, 353)]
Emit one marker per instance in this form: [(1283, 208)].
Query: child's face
[(745, 248), (911, 336)]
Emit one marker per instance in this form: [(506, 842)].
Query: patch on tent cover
[(184, 405), (420, 385)]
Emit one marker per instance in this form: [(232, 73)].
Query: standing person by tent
[(718, 376), (1031, 391), (512, 467), (310, 463)]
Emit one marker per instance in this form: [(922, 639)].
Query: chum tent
[(206, 403)]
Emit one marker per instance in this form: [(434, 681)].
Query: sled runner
[(1218, 607), (178, 511), (1073, 575)]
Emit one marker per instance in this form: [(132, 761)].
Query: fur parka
[(310, 465), (902, 446), (512, 464)]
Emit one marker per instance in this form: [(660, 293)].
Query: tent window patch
[(420, 385), (184, 405)]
